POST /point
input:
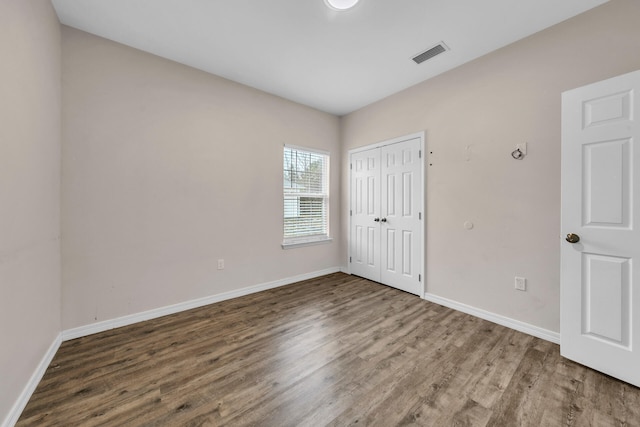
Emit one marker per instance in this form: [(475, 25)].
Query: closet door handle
[(376, 219), (383, 220)]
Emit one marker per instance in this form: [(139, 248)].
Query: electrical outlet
[(521, 283), (221, 264)]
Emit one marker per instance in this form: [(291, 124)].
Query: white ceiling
[(301, 50)]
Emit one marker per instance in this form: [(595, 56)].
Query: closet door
[(386, 233), (365, 214), (400, 221)]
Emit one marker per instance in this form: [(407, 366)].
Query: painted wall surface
[(167, 169), (29, 191), (473, 117)]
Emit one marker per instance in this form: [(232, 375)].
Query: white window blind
[(306, 195)]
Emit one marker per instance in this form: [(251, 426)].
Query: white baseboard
[(106, 325), (15, 412), (527, 328)]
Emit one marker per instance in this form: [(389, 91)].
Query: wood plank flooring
[(336, 350)]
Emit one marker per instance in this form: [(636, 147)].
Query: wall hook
[(517, 154)]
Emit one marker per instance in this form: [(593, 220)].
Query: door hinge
[(419, 154), (419, 215), (349, 259), (419, 277), (350, 165), (350, 212)]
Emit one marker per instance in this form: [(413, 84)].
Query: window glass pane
[(305, 172), (306, 195)]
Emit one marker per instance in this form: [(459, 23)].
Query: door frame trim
[(380, 144)]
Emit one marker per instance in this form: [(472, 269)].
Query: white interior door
[(386, 232), (365, 214), (401, 204), (600, 295)]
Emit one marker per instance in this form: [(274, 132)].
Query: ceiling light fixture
[(341, 4)]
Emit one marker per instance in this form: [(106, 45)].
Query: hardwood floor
[(337, 350)]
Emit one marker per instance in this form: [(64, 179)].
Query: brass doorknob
[(573, 238)]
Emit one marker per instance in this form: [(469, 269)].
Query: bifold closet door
[(386, 199)]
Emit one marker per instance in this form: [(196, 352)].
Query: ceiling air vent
[(430, 53)]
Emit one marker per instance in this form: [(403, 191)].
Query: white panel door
[(365, 214), (600, 254), (401, 202), (386, 233)]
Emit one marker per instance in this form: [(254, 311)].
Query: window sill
[(291, 245)]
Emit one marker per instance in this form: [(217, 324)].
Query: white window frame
[(305, 239)]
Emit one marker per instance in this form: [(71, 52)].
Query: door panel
[(606, 194), (407, 252), (390, 263), (407, 195), (365, 232), (391, 195), (606, 295), (401, 199), (600, 300)]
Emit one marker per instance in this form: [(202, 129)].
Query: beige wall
[(473, 117), (29, 191), (165, 170)]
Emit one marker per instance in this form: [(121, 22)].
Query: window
[(306, 196)]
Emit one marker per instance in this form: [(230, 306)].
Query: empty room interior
[(298, 213)]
